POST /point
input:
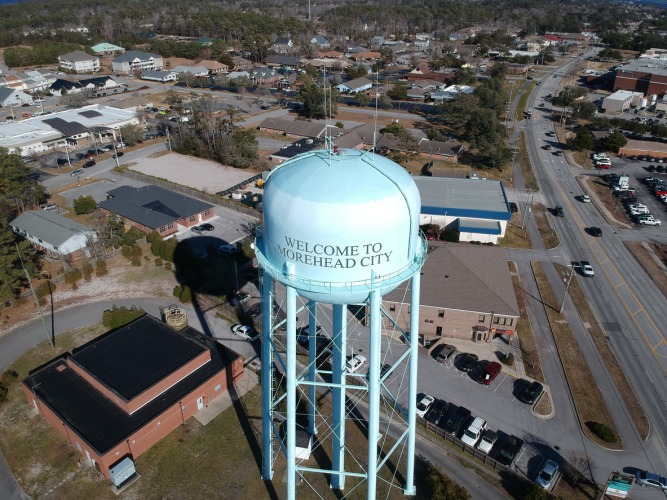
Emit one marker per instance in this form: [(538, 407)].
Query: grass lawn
[(548, 234), (587, 398), (529, 179)]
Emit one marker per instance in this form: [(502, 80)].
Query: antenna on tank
[(375, 123)]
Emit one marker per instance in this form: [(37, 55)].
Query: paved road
[(627, 303)]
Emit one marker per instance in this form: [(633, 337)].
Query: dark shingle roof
[(152, 206), (135, 54)]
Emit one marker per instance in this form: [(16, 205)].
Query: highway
[(628, 305)]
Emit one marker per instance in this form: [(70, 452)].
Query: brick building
[(641, 75), (121, 393), (152, 208), (466, 293)]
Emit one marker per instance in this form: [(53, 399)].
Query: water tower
[(341, 228)]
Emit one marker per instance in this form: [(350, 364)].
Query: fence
[(214, 199), (457, 443)]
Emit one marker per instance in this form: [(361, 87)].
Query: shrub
[(136, 261), (131, 252), (101, 268), (340, 125), (84, 205), (442, 487), (73, 276), (167, 266), (45, 289), (120, 316), (183, 293), (87, 271), (451, 235), (602, 431), (178, 289), (508, 360), (158, 262)]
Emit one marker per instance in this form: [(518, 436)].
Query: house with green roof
[(107, 49)]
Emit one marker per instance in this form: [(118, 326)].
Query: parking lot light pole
[(566, 280)]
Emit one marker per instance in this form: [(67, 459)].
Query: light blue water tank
[(331, 219)]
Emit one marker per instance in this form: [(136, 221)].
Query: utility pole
[(567, 286), (49, 336)]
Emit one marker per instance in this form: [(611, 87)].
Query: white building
[(478, 209), (79, 62), (200, 71), (135, 61), (13, 97), (57, 130), (621, 100), (159, 76), (53, 233)]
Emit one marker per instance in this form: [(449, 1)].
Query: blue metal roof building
[(479, 209)]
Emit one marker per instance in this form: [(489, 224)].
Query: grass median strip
[(604, 349), (529, 180), (547, 232), (589, 404)]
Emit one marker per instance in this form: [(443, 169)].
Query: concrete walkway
[(220, 404)]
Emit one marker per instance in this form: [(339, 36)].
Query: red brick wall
[(153, 431)]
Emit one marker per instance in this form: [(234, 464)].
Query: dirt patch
[(543, 406), (529, 356)]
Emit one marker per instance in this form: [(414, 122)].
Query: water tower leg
[(373, 392), (410, 488), (267, 380), (338, 398), (312, 368), (291, 393)]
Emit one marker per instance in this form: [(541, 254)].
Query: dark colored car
[(117, 155), (509, 450), (558, 211), (89, 163), (438, 411), (650, 168), (531, 392), (62, 161), (468, 362), (455, 423), (513, 207), (489, 373), (595, 231), (207, 227), (660, 168)]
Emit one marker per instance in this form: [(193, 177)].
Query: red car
[(603, 166), (489, 373)]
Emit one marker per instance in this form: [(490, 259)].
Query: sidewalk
[(220, 404)]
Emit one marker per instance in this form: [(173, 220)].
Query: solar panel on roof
[(90, 113)]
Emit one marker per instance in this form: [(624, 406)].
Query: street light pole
[(567, 286)]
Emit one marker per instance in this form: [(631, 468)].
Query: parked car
[(547, 474), (206, 226), (474, 431), (437, 412), (227, 249), (458, 419), (197, 229), (531, 392), (89, 163), (444, 352), (513, 207), (245, 332), (424, 405), (650, 221), (76, 172), (646, 478), (468, 362), (118, 155), (509, 450), (50, 206), (489, 438), (355, 363), (489, 373)]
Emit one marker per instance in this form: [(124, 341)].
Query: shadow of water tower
[(341, 228)]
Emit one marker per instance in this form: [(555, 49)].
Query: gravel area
[(204, 175)]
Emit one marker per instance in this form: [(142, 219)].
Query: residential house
[(296, 148), (136, 61), (79, 62), (286, 62), (295, 129), (354, 49), (13, 82), (152, 208), (198, 71), (365, 56), (282, 45), (36, 80), (466, 293), (438, 150), (377, 41), (422, 40), (320, 41), (467, 50), (452, 92), (417, 93), (12, 97), (264, 75), (241, 64), (106, 49), (354, 86), (330, 63), (214, 67), (52, 233), (100, 84), (159, 76), (62, 87), (237, 74)]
